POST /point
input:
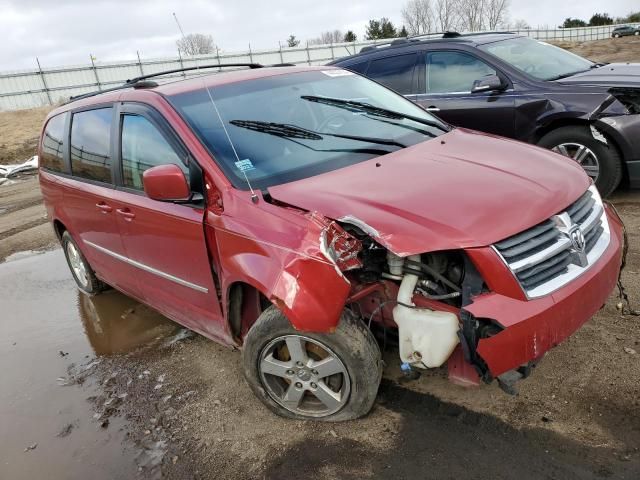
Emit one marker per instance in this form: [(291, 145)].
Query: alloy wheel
[(77, 265), (304, 376), (584, 156)]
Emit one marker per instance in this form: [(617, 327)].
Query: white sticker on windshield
[(245, 165), (337, 73)]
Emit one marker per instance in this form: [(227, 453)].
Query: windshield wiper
[(355, 106), (567, 75), (292, 131)]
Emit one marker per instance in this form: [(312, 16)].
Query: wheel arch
[(244, 304), (59, 228)]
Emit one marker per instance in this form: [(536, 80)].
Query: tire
[(568, 141), (81, 271), (353, 390), (616, 36), (636, 33)]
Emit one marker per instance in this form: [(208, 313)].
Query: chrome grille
[(554, 252)]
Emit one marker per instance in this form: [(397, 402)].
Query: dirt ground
[(625, 49), (576, 417)]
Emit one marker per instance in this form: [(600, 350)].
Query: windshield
[(277, 129), (538, 59)]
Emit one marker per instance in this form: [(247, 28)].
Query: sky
[(67, 32)]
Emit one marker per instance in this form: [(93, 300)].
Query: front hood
[(613, 74), (463, 189)]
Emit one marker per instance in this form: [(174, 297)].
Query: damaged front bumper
[(625, 131), (532, 327)]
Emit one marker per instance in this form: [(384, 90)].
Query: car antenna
[(254, 196)]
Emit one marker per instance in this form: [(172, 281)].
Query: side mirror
[(166, 183), (490, 83)]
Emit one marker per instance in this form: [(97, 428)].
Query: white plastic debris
[(8, 171)]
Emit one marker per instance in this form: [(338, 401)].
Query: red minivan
[(303, 214)]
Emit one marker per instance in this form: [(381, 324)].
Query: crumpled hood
[(463, 189), (613, 74)]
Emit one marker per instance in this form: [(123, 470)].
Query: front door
[(445, 89), (164, 240)]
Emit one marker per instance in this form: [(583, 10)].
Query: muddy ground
[(187, 412)]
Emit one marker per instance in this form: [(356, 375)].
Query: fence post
[(250, 55), (332, 54), (139, 63), (280, 45), (184, 74), (44, 82), (218, 57), (308, 56), (95, 72)]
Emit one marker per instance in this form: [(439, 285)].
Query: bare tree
[(196, 44), (418, 16), (520, 24), (496, 12), (446, 15), (333, 36), (472, 14)]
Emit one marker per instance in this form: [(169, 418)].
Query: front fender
[(309, 289)]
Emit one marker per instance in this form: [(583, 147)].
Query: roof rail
[(140, 82), (201, 67), (411, 38)]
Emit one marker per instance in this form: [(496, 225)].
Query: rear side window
[(454, 72), (143, 147), (90, 145), (52, 144), (394, 72)]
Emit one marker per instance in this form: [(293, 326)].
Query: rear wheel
[(82, 272), (317, 376), (600, 161)]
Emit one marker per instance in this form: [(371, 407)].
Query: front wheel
[(600, 161), (312, 376)]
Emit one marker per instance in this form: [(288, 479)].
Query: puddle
[(46, 325), (20, 255)]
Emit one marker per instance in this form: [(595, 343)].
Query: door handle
[(432, 108), (126, 213), (103, 207)]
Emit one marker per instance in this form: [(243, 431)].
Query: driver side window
[(453, 72), (143, 147)]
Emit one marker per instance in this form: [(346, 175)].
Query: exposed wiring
[(381, 306), (434, 274)]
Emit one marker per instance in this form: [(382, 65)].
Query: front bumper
[(625, 131), (532, 327)]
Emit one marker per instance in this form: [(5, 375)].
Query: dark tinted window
[(394, 72), (454, 72), (143, 147), (53, 143), (358, 67), (90, 137)]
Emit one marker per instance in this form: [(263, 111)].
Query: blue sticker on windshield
[(245, 165)]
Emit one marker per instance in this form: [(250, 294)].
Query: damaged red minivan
[(300, 212)]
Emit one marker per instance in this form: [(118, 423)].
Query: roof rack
[(412, 38), (141, 81), (426, 36), (186, 69)]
